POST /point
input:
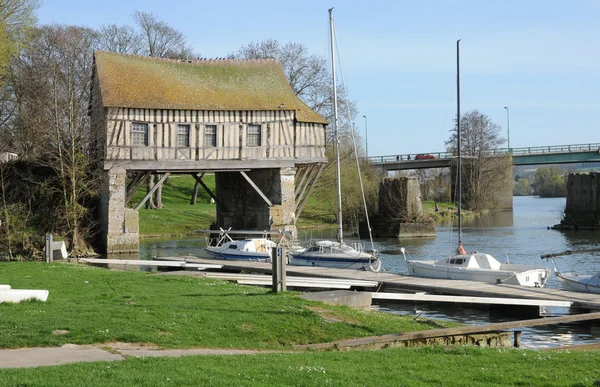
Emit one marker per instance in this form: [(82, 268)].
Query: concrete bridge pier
[(582, 211), (120, 225), (400, 211)]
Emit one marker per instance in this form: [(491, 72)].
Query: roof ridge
[(192, 61)]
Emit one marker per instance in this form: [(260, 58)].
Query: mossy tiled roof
[(154, 83)]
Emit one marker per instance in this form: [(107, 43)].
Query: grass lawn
[(96, 305), (434, 366)]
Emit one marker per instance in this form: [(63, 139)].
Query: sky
[(541, 59)]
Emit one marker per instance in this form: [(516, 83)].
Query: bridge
[(553, 154)]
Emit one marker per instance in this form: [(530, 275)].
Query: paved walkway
[(71, 353)]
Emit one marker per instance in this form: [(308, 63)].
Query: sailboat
[(586, 283), (474, 266), (336, 254)]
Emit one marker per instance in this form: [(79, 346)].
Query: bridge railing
[(532, 150), (408, 157)]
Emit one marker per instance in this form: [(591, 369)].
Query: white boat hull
[(215, 253), (335, 255), (333, 262), (507, 274), (580, 283)]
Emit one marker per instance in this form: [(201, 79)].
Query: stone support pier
[(243, 208), (120, 225)]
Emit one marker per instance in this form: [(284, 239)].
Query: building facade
[(237, 119)]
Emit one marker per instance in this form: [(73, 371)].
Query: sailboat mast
[(335, 130), (458, 142)]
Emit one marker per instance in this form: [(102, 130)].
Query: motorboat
[(326, 253), (220, 245), (336, 254), (474, 266), (585, 283), (478, 267)]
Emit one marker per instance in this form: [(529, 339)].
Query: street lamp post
[(507, 126), (366, 137)]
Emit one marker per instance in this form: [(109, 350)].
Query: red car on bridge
[(424, 157)]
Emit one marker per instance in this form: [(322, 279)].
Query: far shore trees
[(550, 182)]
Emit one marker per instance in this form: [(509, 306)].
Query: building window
[(210, 135), (139, 134), (253, 136), (183, 135)]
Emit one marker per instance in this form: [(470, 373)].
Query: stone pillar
[(583, 202), (244, 209), (120, 225), (283, 215)]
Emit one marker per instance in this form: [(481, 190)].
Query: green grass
[(178, 217), (98, 306), (392, 367)]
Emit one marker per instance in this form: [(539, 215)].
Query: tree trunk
[(195, 193), (158, 192), (150, 202)]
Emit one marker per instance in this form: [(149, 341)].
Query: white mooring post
[(49, 257), (278, 258)]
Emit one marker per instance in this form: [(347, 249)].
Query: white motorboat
[(585, 283), (479, 267), (220, 245), (474, 266), (336, 254), (255, 249)]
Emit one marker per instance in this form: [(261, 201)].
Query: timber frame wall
[(282, 137)]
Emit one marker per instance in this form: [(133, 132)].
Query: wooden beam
[(300, 207), (300, 182), (149, 194), (301, 193), (136, 183), (204, 165), (465, 330), (262, 195), (210, 193)]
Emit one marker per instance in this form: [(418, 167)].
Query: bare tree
[(483, 176), (120, 39), (160, 39), (53, 85), (479, 135), (308, 75)]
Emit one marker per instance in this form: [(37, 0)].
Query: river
[(521, 236)]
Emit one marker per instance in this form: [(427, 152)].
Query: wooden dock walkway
[(390, 282)]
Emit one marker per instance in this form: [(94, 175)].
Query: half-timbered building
[(238, 119)]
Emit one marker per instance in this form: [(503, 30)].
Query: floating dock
[(397, 283)]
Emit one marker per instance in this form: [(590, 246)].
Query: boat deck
[(390, 282)]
